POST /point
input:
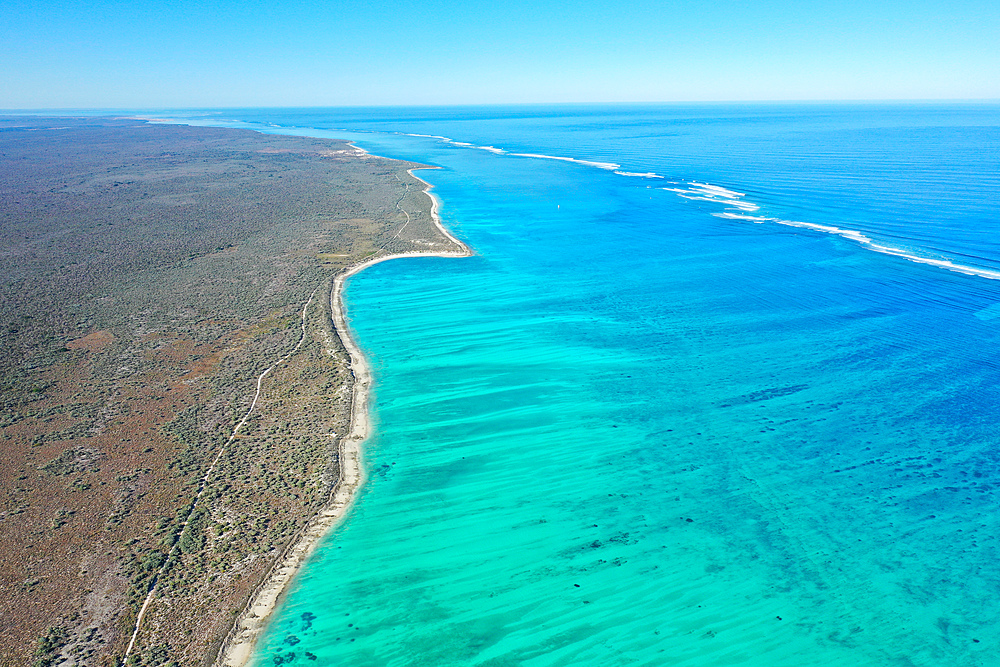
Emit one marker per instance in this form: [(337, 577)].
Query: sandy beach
[(240, 643), (158, 503)]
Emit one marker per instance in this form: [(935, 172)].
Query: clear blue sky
[(196, 53)]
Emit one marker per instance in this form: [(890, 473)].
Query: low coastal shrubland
[(148, 275)]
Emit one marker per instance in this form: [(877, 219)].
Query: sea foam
[(610, 166), (638, 175), (737, 208), (733, 200)]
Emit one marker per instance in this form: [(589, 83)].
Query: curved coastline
[(248, 627)]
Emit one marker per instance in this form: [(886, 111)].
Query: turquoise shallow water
[(629, 431)]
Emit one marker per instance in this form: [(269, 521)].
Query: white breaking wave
[(428, 136), (716, 190), (744, 205), (737, 208), (636, 174), (742, 216), (466, 144), (460, 144), (714, 193), (733, 200), (610, 166)]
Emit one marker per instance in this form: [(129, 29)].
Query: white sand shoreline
[(250, 625)]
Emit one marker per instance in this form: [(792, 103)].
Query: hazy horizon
[(102, 55), (679, 103)]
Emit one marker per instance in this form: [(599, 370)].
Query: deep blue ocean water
[(722, 389)]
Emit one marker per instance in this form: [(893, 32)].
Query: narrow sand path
[(242, 639), (203, 484)]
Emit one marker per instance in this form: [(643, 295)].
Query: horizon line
[(886, 101)]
